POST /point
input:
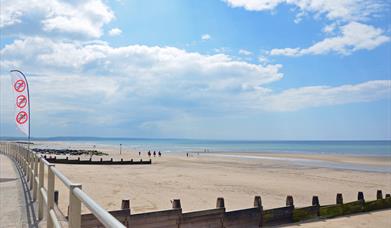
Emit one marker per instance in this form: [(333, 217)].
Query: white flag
[(22, 101)]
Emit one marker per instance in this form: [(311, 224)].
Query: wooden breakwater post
[(289, 201), (125, 204), (176, 204), (307, 213), (339, 198), (258, 202), (220, 203), (315, 201), (281, 215), (360, 196), (379, 194)]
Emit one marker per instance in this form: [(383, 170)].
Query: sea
[(357, 148), (206, 147)]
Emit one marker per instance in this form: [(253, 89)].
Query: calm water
[(373, 148)]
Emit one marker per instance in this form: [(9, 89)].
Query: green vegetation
[(305, 213)]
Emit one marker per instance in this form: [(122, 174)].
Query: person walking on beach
[(139, 153), (160, 154), (149, 153), (154, 153)]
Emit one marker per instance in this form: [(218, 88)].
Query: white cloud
[(354, 36), (346, 15), (245, 52), (115, 32), (316, 96), (286, 51), (135, 61), (93, 84), (68, 75), (255, 5), (347, 10), (132, 73), (330, 28), (80, 18), (206, 37)]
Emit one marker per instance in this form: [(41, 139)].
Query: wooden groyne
[(252, 217), (79, 161)]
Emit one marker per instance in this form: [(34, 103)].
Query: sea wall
[(249, 217)]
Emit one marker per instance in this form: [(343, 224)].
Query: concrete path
[(16, 207)]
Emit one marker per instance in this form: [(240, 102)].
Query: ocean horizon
[(342, 147)]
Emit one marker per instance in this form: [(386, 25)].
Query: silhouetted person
[(160, 154), (187, 154), (154, 153), (149, 153), (139, 153)]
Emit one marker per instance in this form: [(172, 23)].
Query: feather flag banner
[(22, 101)]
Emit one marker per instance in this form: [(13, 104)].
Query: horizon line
[(172, 138)]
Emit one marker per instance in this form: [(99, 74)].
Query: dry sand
[(198, 180)]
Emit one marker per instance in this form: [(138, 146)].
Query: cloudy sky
[(221, 69)]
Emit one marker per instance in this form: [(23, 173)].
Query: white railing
[(33, 167)]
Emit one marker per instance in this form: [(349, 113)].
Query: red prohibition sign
[(19, 85), (21, 117), (21, 101)]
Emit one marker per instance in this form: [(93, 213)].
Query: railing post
[(40, 185), (16, 156), (74, 208), (24, 163), (31, 171), (28, 166), (35, 183), (50, 195)]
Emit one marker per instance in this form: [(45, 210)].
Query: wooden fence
[(249, 217)]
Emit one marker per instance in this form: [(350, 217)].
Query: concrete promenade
[(16, 207)]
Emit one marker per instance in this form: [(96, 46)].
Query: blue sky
[(232, 69)]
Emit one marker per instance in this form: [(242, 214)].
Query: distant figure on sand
[(154, 153), (149, 153), (187, 154), (160, 154), (139, 153)]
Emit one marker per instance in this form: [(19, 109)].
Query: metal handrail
[(54, 219), (44, 195), (60, 176), (101, 214), (29, 162)]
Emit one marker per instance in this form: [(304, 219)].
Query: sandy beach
[(200, 178)]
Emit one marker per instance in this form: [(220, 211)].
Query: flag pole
[(28, 100)]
